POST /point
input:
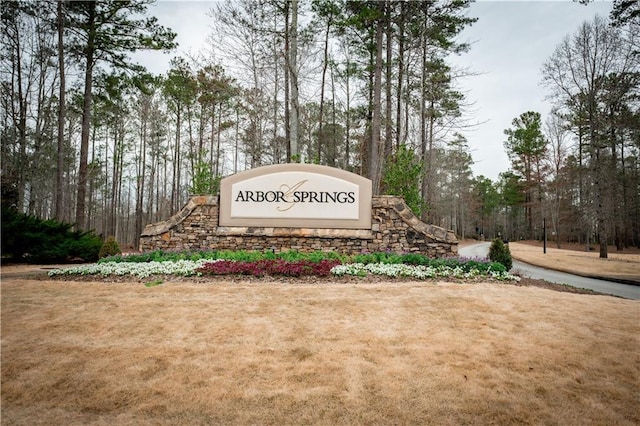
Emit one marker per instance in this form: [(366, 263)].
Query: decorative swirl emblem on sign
[(288, 195)]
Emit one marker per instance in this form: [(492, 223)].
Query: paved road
[(481, 250)]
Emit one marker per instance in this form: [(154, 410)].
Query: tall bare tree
[(556, 133), (579, 73)]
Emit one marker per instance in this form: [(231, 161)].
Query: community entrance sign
[(296, 195), (299, 207)]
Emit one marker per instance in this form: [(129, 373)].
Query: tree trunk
[(400, 76), (237, 140), (325, 63), (347, 119), (600, 203), (153, 187), (423, 130), (295, 107), (217, 168), (331, 157), (374, 148), (213, 133), (193, 156), (22, 128), (80, 222), (388, 143), (431, 176), (276, 89), (59, 202), (140, 178), (287, 84), (613, 176), (175, 184)]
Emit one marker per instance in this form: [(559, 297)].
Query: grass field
[(331, 353)]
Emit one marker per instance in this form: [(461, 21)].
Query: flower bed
[(292, 264)]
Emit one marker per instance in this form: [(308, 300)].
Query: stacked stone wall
[(393, 228)]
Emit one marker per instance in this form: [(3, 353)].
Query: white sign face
[(296, 195)]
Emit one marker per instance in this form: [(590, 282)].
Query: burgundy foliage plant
[(269, 267)]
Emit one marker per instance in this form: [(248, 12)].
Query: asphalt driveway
[(627, 291)]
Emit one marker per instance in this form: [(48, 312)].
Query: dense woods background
[(91, 138)]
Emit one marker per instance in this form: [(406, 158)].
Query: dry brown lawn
[(621, 265), (330, 353)]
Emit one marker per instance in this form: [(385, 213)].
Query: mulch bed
[(308, 280)]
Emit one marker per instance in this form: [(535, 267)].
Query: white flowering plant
[(140, 269), (422, 272)]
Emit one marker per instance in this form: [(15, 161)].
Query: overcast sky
[(510, 42)]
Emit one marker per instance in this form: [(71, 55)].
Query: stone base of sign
[(394, 228)]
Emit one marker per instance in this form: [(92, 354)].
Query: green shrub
[(415, 259), (26, 238), (237, 255), (499, 252), (84, 246), (110, 248), (378, 257)]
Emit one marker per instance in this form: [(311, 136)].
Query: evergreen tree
[(527, 147), (402, 177)]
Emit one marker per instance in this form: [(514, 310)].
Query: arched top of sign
[(296, 195)]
